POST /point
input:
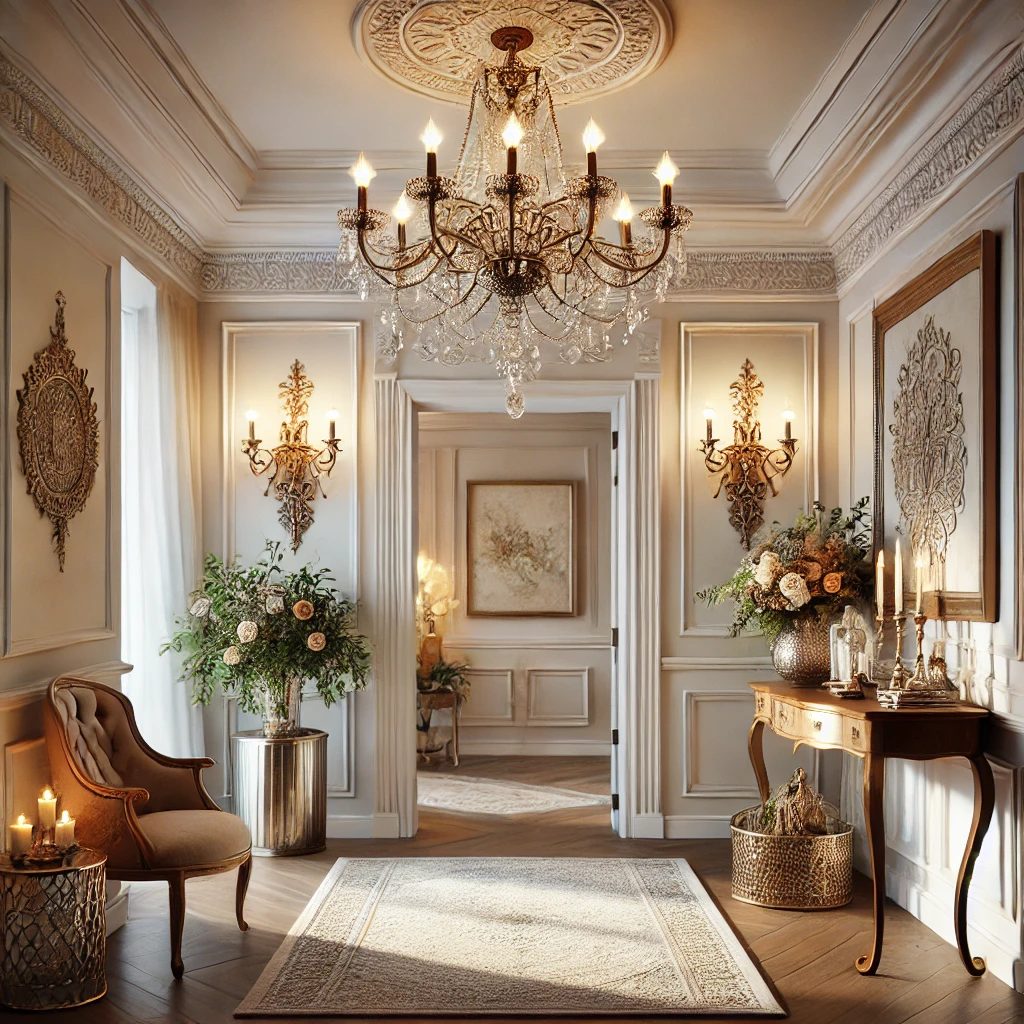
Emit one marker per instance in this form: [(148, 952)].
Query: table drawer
[(786, 720), (855, 735), (822, 727)]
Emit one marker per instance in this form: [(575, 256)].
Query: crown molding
[(991, 117)]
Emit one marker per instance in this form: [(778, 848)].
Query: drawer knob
[(817, 725), (855, 732)]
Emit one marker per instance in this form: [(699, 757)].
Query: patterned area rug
[(534, 936), (470, 795)]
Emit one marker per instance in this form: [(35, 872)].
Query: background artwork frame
[(941, 325), (520, 566)]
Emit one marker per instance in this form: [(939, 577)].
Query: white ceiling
[(288, 75)]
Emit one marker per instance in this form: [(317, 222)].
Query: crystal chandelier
[(504, 256)]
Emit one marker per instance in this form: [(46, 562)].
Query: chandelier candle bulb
[(880, 585), (512, 136), (47, 810), (431, 139), (666, 172), (898, 587), (709, 416), (332, 423), (363, 173), (65, 831), (402, 212), (252, 415), (787, 423), (19, 837), (592, 138), (624, 214)]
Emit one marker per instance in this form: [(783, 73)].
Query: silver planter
[(802, 652)]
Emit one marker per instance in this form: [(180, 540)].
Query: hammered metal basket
[(805, 872)]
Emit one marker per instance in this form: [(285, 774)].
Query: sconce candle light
[(747, 468), (294, 465)]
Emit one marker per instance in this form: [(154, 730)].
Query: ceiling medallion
[(58, 433), (583, 47), (507, 253)]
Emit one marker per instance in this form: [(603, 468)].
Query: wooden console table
[(867, 730)]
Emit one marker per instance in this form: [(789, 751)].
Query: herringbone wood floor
[(807, 956)]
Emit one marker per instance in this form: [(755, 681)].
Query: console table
[(867, 730)]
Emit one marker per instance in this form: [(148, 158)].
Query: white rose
[(200, 607), (794, 589), (247, 631), (768, 567), (232, 656)]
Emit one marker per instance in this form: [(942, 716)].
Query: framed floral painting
[(936, 428), (521, 548)]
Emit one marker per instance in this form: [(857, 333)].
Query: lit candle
[(592, 138), (363, 174), (787, 423), (512, 136), (20, 837), (332, 419), (880, 584), (919, 563), (47, 810), (402, 212), (65, 831), (431, 139), (252, 415), (666, 172), (899, 579), (624, 214), (709, 415)]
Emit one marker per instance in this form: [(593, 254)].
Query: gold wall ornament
[(747, 469), (58, 432), (294, 466)]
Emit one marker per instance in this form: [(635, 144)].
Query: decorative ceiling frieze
[(989, 117), (305, 272), (585, 47), (44, 128)]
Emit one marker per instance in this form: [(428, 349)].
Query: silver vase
[(281, 710), (802, 652)]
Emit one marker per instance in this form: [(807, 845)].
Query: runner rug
[(466, 794), (472, 936)]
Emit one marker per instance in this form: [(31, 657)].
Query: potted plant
[(259, 633), (796, 581)]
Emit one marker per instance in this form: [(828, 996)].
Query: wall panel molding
[(692, 786), (500, 677), (576, 678)]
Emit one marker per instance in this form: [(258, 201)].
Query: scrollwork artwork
[(928, 451), (58, 433)]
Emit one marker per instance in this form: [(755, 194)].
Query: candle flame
[(332, 414), (362, 172), (666, 171), (709, 413), (431, 137), (513, 133), (252, 416), (624, 212), (592, 136), (47, 795), (402, 211), (65, 817), (788, 414), (21, 819), (881, 559)]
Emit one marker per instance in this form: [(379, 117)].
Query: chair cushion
[(92, 730), (182, 839)]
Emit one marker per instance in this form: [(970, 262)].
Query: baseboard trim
[(697, 826), (537, 748), (350, 826), (384, 826), (647, 826)]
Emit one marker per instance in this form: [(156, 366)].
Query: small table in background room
[(867, 730), (54, 932), (435, 700)]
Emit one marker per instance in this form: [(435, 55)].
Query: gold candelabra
[(747, 468), (294, 466)]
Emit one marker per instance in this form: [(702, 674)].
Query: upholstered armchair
[(150, 814)]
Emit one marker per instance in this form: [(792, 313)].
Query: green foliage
[(820, 548), (231, 595), (446, 675)]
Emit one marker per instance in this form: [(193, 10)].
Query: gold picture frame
[(521, 564), (936, 392)]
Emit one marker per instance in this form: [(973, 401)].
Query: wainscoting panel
[(491, 698), (558, 697)]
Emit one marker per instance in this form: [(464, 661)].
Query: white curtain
[(161, 503)]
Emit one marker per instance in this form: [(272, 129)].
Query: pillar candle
[(899, 579), (20, 840), (47, 810), (65, 831), (919, 562), (880, 584)]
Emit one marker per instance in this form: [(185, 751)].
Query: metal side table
[(280, 790), (54, 932)]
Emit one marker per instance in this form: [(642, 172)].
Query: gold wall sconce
[(747, 469), (294, 465)]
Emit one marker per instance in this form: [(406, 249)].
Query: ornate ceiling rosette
[(584, 47), (58, 433)]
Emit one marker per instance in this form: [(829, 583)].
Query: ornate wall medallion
[(58, 433), (585, 48), (928, 449)]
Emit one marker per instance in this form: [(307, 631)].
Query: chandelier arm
[(643, 270), (398, 268), (607, 321), (589, 233)]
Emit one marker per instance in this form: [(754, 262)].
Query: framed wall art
[(521, 548), (936, 429)]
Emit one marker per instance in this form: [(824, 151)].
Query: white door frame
[(633, 406)]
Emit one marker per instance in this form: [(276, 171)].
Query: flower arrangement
[(256, 631), (434, 598), (815, 567)]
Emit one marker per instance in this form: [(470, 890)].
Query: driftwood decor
[(58, 433)]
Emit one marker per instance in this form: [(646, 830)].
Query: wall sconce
[(294, 465), (747, 468)]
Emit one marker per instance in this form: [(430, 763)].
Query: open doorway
[(515, 614)]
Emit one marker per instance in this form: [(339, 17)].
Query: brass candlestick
[(898, 671), (920, 677)]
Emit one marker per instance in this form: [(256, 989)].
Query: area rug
[(535, 936), (467, 794)]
